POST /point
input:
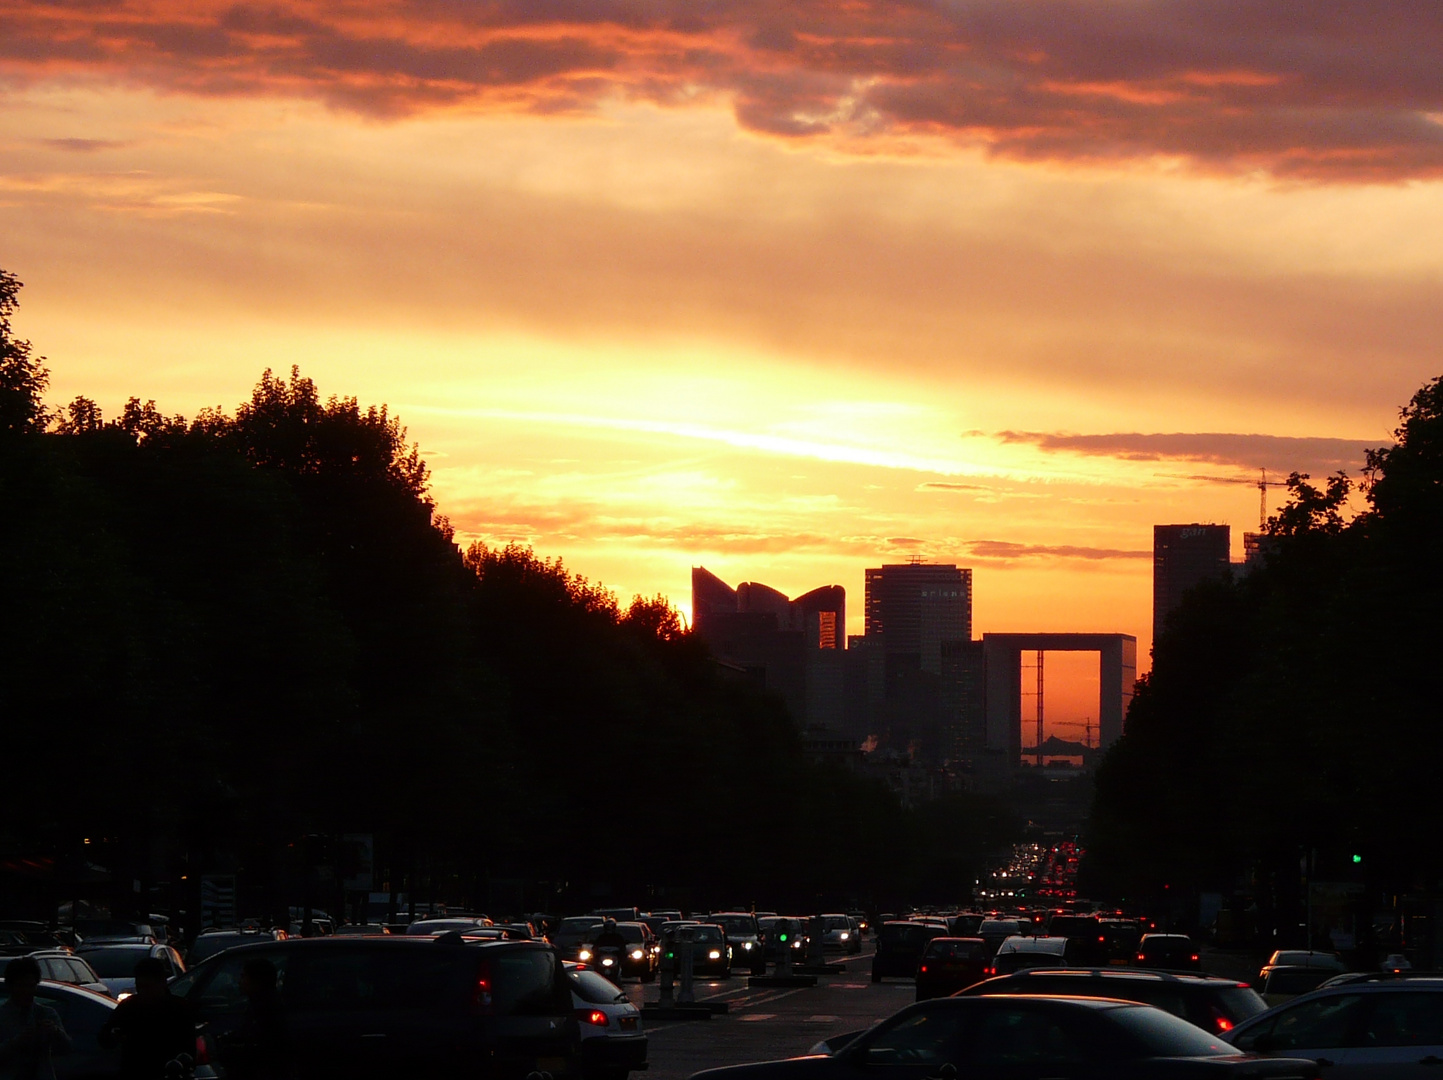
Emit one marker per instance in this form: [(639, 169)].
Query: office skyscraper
[(914, 607), (1184, 556)]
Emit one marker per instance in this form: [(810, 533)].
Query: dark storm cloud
[(1278, 453), (1330, 90)]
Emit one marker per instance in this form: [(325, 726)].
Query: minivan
[(402, 1006)]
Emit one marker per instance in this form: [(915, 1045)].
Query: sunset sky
[(782, 289)]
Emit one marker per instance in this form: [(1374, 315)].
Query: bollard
[(816, 932), (686, 996), (668, 969), (785, 932)]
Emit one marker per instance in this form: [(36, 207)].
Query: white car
[(612, 1040), (841, 934), (115, 964)]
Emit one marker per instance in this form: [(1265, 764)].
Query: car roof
[(1180, 978)]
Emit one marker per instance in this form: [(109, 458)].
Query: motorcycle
[(607, 960)]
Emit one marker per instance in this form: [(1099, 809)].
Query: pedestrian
[(259, 1047), (31, 1034), (151, 1027)]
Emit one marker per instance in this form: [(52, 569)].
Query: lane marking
[(758, 1016), (821, 1019)]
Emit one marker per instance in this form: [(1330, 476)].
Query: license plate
[(628, 1023)]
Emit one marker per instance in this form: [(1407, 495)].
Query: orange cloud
[(1338, 91), (1281, 454)]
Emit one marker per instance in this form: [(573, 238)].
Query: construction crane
[(1261, 484)]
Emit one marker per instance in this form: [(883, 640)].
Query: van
[(367, 1008)]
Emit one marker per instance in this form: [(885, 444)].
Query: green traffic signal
[(1357, 859)]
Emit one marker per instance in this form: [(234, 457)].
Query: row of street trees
[(230, 637), (1293, 713)]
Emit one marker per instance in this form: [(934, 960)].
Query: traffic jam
[(1028, 981)]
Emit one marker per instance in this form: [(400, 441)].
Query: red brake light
[(202, 1051), (595, 1017), (1223, 1023), (923, 969), (1194, 956), (482, 997)]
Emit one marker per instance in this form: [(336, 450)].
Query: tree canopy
[(1294, 707), (236, 631)]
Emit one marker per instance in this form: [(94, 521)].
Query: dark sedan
[(950, 964), (1027, 1038)]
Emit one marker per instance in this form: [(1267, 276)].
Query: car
[(61, 966), (1211, 1003), (442, 926), (619, 914), (1285, 983), (744, 934), (1168, 952), (115, 964), (413, 1006), (1020, 952), (950, 964), (900, 944), (710, 952), (1358, 1028), (574, 934), (773, 946), (96, 931), (964, 924), (1087, 931), (1330, 962), (996, 931), (642, 956), (840, 934), (209, 942), (1025, 1038), (82, 1013), (612, 1040), (362, 930)]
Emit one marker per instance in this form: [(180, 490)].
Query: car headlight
[(714, 955), (584, 954), (747, 945), (845, 935), (637, 954), (122, 995)]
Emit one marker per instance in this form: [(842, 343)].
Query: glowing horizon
[(782, 291)]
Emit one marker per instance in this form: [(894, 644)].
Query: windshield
[(630, 932), (1165, 1035), (1000, 926), (114, 963), (707, 934), (735, 925), (837, 922)]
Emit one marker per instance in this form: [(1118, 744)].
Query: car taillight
[(482, 997), (1221, 1022), (594, 1017), (923, 969), (1140, 958), (1194, 958), (202, 1051)]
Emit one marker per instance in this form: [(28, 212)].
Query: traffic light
[(1357, 859)]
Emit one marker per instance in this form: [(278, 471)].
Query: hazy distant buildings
[(1184, 556)]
